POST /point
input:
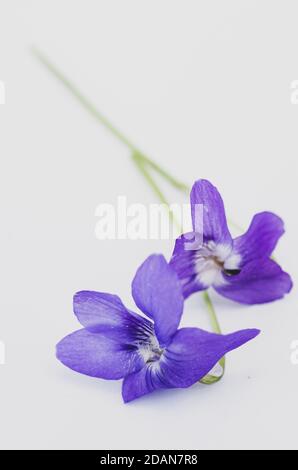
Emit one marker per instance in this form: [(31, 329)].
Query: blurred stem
[(155, 188), (142, 163), (88, 105), (209, 378), (213, 318)]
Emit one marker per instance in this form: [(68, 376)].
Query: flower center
[(155, 355), (151, 350), (213, 260)]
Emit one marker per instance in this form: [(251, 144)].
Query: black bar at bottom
[(133, 459)]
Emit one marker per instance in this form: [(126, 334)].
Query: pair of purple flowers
[(151, 352)]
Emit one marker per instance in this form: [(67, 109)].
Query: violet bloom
[(240, 269), (116, 343)]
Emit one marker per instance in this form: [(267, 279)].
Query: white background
[(202, 87)]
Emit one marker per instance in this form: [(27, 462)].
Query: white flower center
[(151, 350), (212, 260)]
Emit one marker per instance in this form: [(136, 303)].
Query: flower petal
[(157, 292), (214, 218), (260, 281), (98, 355), (190, 356), (183, 262), (105, 313), (194, 352), (140, 383), (261, 237)]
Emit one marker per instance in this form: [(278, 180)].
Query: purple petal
[(261, 280), (105, 313), (194, 352), (190, 356), (140, 383), (157, 292), (214, 218), (183, 262), (97, 355), (261, 238)]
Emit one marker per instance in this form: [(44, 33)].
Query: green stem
[(141, 161), (213, 318), (86, 103), (141, 164), (210, 379), (82, 99), (177, 184), (142, 168)]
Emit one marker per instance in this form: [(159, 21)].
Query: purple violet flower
[(239, 269), (116, 343)]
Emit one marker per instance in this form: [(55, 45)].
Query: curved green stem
[(142, 162)]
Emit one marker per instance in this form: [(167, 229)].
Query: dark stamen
[(232, 272)]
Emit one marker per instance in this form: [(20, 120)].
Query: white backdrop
[(205, 89)]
